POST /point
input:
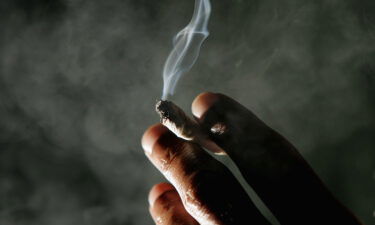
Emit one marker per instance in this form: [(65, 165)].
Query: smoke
[(187, 44)]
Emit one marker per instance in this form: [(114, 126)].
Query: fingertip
[(157, 190), (203, 102), (151, 135)]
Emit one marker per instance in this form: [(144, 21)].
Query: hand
[(203, 191)]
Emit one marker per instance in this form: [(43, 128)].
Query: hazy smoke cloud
[(79, 80)]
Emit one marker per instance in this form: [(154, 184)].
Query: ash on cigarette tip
[(176, 120), (163, 108)]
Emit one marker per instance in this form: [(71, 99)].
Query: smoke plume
[(187, 44)]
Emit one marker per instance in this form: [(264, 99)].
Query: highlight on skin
[(187, 44)]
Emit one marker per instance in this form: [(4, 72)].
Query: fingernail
[(147, 143), (202, 103), (151, 136)]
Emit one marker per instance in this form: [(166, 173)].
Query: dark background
[(79, 80)]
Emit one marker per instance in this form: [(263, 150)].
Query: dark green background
[(79, 80)]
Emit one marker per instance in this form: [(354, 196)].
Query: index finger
[(269, 163)]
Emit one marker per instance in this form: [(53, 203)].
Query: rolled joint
[(176, 120)]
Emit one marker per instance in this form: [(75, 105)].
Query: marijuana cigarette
[(176, 120)]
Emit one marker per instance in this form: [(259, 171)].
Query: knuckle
[(168, 210), (168, 148), (166, 201), (200, 187), (177, 219), (192, 202), (202, 180)]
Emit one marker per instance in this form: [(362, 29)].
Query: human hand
[(203, 190)]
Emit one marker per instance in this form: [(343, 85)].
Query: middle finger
[(209, 192)]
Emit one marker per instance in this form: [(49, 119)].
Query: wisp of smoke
[(187, 44)]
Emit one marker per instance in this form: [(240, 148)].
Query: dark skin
[(203, 191)]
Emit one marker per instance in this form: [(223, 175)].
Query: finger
[(269, 163), (166, 207), (208, 190)]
